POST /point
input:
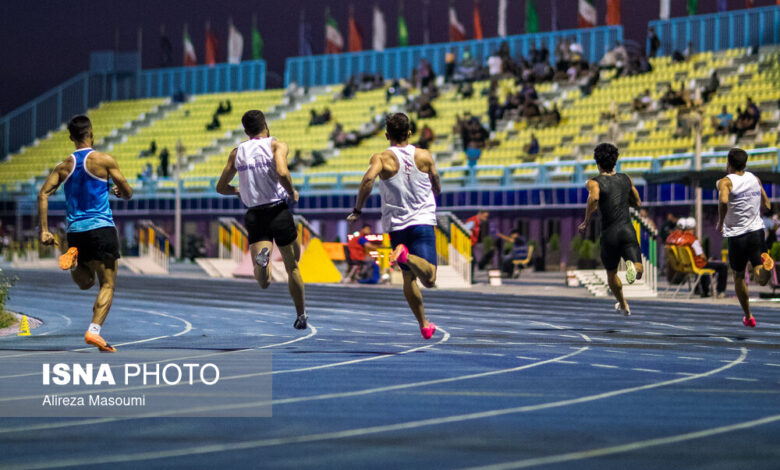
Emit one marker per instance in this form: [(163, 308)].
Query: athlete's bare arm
[(228, 173), (593, 203), (280, 151), (50, 186), (375, 167), (766, 204), (426, 158), (724, 189), (634, 198), (121, 187)]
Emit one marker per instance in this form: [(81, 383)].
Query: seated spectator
[(426, 137), (517, 249), (179, 96), (349, 89), (532, 148), (425, 73), (225, 108), (562, 55), (466, 71), (396, 88), (150, 151), (590, 81), (643, 102), (552, 117), (722, 122), (164, 165), (359, 247), (319, 119), (747, 121), (711, 87), (495, 65), (465, 90), (474, 135), (449, 66), (687, 238), (214, 124)]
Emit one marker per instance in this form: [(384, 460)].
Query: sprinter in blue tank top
[(92, 238)]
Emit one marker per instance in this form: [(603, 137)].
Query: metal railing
[(154, 243), (233, 241), (719, 31), (647, 235), (398, 62), (453, 244)]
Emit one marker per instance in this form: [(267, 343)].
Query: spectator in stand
[(746, 121), (426, 137), (756, 110), (495, 65), (150, 151), (359, 247), (466, 71), (688, 239), (643, 102), (563, 56), (214, 124), (425, 109), (164, 165), (722, 122), (552, 117), (669, 226), (711, 87), (425, 73), (653, 41), (224, 108), (319, 119), (349, 89), (532, 147), (449, 66), (592, 79)]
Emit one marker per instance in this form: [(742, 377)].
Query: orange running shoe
[(769, 265), (98, 342), (68, 260)]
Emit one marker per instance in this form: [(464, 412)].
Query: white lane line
[(629, 447), (640, 369), (326, 436), (741, 379), (568, 362), (691, 358), (528, 358), (771, 365), (605, 366), (679, 327), (187, 329), (325, 396)]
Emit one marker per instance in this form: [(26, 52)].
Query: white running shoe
[(263, 258), (622, 311), (630, 272)]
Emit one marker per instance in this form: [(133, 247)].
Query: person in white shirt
[(408, 187), (739, 208), (264, 185)]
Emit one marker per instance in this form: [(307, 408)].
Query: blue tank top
[(86, 196)]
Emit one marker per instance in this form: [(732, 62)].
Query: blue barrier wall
[(719, 31), (86, 90), (398, 62)]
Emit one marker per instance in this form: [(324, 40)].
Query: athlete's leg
[(414, 297), (740, 286), (617, 288), (640, 269), (291, 254), (106, 275), (422, 269), (262, 275), (83, 276)]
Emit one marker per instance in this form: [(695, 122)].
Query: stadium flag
[(554, 14), (355, 35), (211, 46), (304, 35), (189, 49), (586, 14), (334, 41), (531, 18), (380, 29), (426, 21), (750, 3), (613, 12), (664, 10), (477, 21), (722, 5), (235, 44), (502, 18), (257, 40), (457, 31), (403, 31), (693, 7)]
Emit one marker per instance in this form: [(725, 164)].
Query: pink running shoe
[(400, 254), (749, 322), (428, 331)]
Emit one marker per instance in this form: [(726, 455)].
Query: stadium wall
[(719, 31)]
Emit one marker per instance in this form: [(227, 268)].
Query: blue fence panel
[(400, 61), (719, 31)]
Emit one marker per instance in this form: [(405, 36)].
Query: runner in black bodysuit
[(612, 194)]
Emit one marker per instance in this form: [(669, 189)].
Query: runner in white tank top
[(408, 187), (264, 185), (741, 200)]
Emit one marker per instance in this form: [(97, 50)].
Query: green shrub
[(6, 319), (575, 244), (587, 250), (554, 242)]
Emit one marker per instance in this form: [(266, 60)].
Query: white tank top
[(744, 213), (258, 182), (407, 197)]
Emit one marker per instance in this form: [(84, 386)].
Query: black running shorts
[(100, 244), (271, 222), (744, 248), (619, 242)]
